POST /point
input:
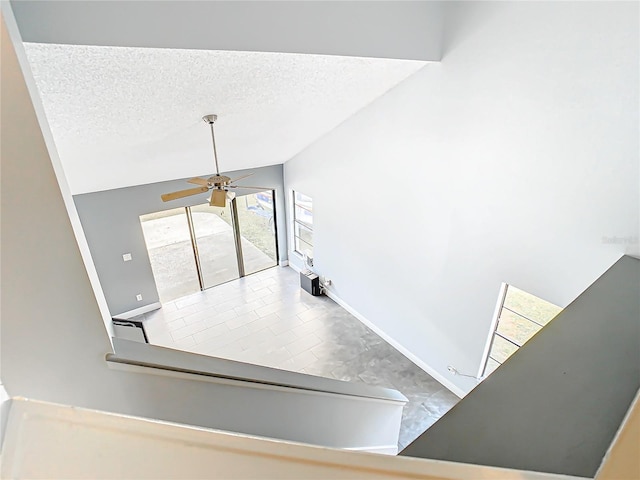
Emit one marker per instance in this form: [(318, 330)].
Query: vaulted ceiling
[(125, 108)]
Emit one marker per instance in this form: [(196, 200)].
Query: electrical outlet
[(126, 257), (139, 297)]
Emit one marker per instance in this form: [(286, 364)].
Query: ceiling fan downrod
[(211, 119), (219, 185)]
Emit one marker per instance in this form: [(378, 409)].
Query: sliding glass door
[(170, 249), (215, 244), (198, 247), (257, 225)]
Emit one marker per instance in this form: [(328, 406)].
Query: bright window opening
[(303, 224), (196, 247), (520, 316)]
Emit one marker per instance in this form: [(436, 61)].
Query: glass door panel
[(256, 219), (213, 229), (170, 251)]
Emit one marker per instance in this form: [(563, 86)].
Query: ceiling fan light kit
[(218, 184), (218, 198)]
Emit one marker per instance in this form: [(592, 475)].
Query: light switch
[(139, 297), (126, 257)]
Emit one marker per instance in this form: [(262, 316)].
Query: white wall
[(513, 160)]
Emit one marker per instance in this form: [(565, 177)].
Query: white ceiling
[(123, 116)]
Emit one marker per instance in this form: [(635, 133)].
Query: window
[(520, 316), (302, 224)]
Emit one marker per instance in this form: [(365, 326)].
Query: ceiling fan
[(218, 184)]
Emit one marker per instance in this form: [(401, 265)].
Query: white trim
[(198, 445), (152, 356), (381, 449), (5, 405), (165, 372), (284, 263), (292, 226), (502, 293), (298, 255), (295, 267), (290, 221), (395, 344), (138, 311), (634, 404)]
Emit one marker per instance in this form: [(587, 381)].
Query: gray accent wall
[(111, 223), (556, 404), (383, 29)]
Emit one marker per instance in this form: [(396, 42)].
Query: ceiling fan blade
[(199, 181), (240, 178), (231, 195), (250, 188), (218, 198), (183, 193)]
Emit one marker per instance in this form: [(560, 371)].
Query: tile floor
[(267, 319)]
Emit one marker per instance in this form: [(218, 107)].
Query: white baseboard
[(382, 449), (5, 405), (295, 267), (284, 263), (395, 344), (138, 311)]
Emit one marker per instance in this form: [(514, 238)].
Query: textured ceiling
[(123, 116)]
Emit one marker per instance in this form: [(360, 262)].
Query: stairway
[(556, 404)]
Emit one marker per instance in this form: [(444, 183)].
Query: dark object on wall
[(310, 282)]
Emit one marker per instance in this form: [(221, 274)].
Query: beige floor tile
[(257, 337), (218, 318), (210, 313), (305, 329), (312, 313), (299, 345), (188, 330), (184, 342), (249, 307), (291, 309), (263, 322), (266, 319), (211, 333), (226, 339), (241, 320), (278, 341), (284, 325), (298, 362), (269, 308)]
